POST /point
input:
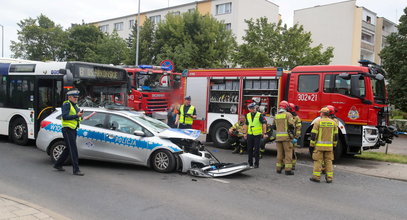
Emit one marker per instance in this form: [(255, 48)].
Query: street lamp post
[(138, 32), (2, 40)]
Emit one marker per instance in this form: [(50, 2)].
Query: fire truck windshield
[(379, 91), (149, 81)]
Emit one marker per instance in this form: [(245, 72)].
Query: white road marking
[(219, 180)]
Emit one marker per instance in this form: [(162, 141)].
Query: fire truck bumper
[(370, 138)]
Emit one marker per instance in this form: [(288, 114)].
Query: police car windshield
[(151, 123)]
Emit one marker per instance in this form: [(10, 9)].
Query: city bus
[(30, 91)]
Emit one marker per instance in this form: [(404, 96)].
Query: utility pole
[(2, 40), (138, 32)]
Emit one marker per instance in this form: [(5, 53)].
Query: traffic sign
[(169, 64)]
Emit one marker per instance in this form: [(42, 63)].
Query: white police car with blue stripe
[(127, 137)]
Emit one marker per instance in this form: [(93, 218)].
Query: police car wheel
[(163, 161), (56, 150), (19, 131)]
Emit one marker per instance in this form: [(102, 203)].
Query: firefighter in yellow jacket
[(324, 137), (297, 130), (236, 135), (284, 125)]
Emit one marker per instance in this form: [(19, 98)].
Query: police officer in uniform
[(297, 130), (324, 137), (71, 117), (186, 114), (255, 130), (284, 125), (236, 134)]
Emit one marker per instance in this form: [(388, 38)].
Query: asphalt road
[(117, 191)]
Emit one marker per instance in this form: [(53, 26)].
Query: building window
[(118, 26), (175, 13), (368, 38), (368, 19), (224, 8), (104, 28), (308, 83), (131, 24), (228, 26), (155, 19), (191, 10)]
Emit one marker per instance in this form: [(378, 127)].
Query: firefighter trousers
[(284, 155), (325, 157)]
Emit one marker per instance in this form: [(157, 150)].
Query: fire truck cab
[(152, 88), (357, 92)]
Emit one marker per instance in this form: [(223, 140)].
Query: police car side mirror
[(139, 133), (379, 77)]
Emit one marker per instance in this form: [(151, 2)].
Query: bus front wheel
[(19, 131)]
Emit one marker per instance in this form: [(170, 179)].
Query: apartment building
[(355, 32), (231, 12)]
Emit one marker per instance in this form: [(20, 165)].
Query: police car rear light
[(45, 124)]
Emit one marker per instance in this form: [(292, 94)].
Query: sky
[(65, 12)]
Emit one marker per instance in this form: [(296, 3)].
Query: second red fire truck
[(358, 92)]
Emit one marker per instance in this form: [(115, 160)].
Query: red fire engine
[(358, 92), (153, 88)]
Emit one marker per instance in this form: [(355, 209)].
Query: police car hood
[(190, 134)]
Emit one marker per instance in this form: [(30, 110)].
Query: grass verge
[(396, 158)]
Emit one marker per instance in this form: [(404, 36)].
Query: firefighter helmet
[(285, 105), (294, 108), (332, 109)]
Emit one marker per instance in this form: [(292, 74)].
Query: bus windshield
[(102, 95), (379, 91)]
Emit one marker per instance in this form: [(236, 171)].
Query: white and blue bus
[(30, 91)]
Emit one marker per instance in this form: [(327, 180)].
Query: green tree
[(82, 39), (270, 44), (146, 44), (394, 59), (192, 40), (39, 39), (110, 49)]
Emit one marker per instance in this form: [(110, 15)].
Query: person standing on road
[(255, 130), (324, 137), (71, 117), (284, 125), (297, 130), (186, 114)]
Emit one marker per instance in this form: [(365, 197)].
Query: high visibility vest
[(255, 127), (186, 120), (74, 123), (325, 134)]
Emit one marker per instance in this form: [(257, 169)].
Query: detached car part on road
[(129, 137)]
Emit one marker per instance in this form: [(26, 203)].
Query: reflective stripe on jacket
[(186, 119), (254, 127), (73, 124), (297, 125), (282, 121)]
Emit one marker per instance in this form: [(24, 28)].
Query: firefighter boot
[(236, 150), (289, 172), (314, 179)]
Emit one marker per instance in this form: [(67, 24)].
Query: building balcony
[(368, 26), (367, 46)]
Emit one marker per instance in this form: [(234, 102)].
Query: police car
[(127, 137)]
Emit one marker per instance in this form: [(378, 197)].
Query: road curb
[(50, 213)]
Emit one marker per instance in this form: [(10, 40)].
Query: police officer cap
[(252, 105), (187, 98), (73, 92)]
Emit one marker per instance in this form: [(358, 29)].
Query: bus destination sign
[(99, 73)]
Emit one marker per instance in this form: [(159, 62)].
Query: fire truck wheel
[(339, 151), (220, 134)]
